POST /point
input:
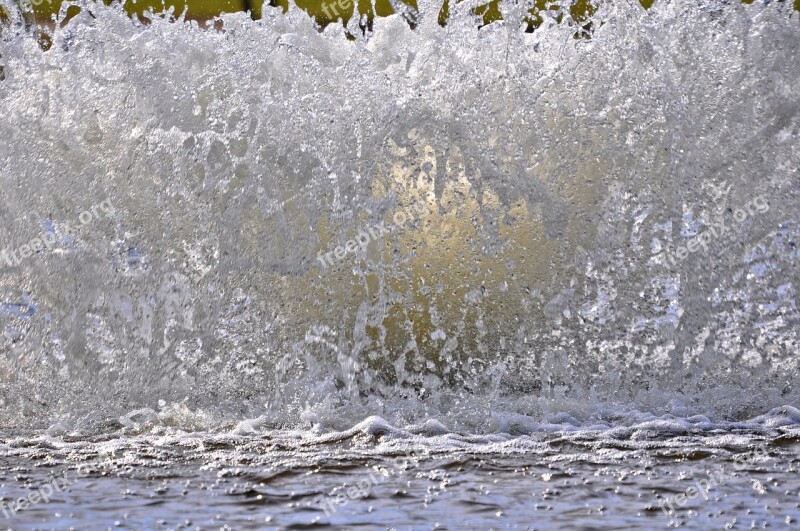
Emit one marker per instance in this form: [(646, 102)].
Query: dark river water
[(650, 474)]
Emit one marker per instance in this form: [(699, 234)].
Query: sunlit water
[(376, 477), (247, 271)]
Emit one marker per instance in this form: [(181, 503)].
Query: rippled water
[(263, 261), (560, 476)]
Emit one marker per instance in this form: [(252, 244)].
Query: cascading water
[(470, 229)]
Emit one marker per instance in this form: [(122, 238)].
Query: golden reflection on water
[(451, 280), (464, 281)]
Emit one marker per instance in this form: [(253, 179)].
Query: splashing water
[(238, 265), (612, 221)]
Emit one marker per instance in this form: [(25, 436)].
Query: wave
[(612, 221)]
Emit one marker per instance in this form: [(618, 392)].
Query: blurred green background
[(579, 10)]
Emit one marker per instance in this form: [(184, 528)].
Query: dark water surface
[(376, 476)]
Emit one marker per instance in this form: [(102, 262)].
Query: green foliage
[(579, 11)]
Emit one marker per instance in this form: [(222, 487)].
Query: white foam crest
[(561, 175)]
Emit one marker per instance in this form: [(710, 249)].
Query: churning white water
[(222, 250)]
